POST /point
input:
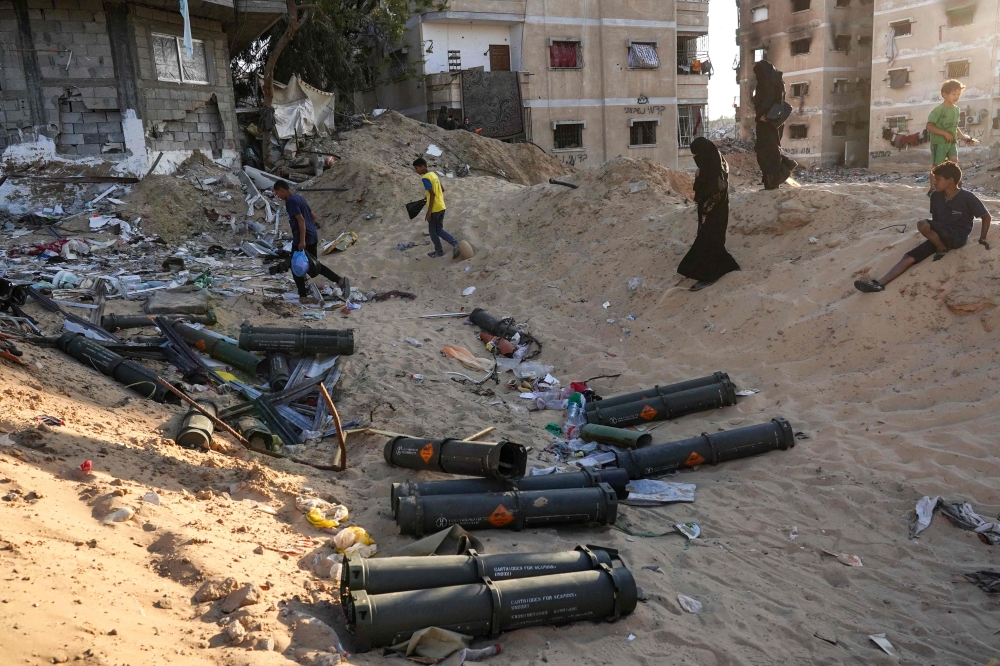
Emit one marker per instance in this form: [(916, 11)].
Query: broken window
[(567, 136), (690, 123), (565, 55), (800, 5), (454, 61), (904, 27), (801, 46), (172, 63), (897, 123), (759, 54), (800, 89), (839, 128), (958, 69), (398, 61), (758, 14), (798, 131), (842, 43), (642, 133), (898, 78), (865, 40), (643, 56), (840, 86), (961, 16)]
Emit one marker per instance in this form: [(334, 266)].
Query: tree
[(293, 21)]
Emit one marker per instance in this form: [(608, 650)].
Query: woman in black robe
[(442, 119), (708, 260), (775, 167)]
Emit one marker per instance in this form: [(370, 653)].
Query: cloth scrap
[(960, 513), (651, 492), (987, 580), (452, 541)]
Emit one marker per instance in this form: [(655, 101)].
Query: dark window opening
[(865, 40), (840, 86), (798, 131), (961, 16), (842, 43), (839, 128), (801, 46), (800, 89), (568, 135), (843, 3), (642, 133), (898, 78), (958, 69), (565, 55), (398, 62), (800, 5), (902, 27)]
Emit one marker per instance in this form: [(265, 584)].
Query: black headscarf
[(765, 94), (713, 172), (442, 117)]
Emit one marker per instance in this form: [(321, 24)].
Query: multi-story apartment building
[(585, 80), (824, 49), (920, 44)]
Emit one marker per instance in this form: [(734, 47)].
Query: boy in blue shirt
[(952, 212), (305, 237)]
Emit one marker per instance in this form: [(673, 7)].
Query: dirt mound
[(394, 139), (743, 170), (630, 175)]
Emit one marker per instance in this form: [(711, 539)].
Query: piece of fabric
[(897, 141), (297, 205), (183, 300), (315, 268), (452, 541), (708, 259), (766, 93), (887, 134), (956, 214), (890, 46), (432, 183), (563, 54), (433, 643), (768, 147), (987, 580), (940, 152), (945, 118), (301, 110), (643, 56), (898, 78), (435, 226), (960, 513), (188, 41)]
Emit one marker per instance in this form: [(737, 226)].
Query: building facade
[(114, 80), (919, 45), (587, 81), (824, 49)]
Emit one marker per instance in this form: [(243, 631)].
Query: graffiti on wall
[(652, 110)]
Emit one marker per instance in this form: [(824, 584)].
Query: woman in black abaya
[(775, 167), (708, 260)]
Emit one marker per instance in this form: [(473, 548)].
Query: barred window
[(454, 61), (565, 55), (958, 69), (567, 136), (898, 123), (642, 133), (800, 89), (801, 46), (798, 131), (690, 123)]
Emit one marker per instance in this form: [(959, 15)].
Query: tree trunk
[(296, 18)]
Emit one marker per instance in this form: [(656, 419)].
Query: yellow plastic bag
[(355, 539)]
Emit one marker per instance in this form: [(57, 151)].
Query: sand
[(894, 393)]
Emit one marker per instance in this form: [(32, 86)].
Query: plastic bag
[(465, 357), (300, 263), (353, 540)]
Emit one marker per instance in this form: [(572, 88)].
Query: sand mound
[(630, 175)]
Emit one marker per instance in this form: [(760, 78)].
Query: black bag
[(414, 207), (779, 110)]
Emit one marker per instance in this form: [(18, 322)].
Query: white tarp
[(301, 110)]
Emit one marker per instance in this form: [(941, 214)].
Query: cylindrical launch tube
[(196, 428), (627, 439), (665, 407), (113, 322), (277, 371), (707, 448), (505, 460), (297, 340), (717, 378), (220, 349)]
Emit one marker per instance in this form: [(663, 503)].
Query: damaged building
[(920, 44), (824, 49), (124, 82), (585, 81)]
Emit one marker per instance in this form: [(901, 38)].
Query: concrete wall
[(824, 105), (472, 41), (926, 52)]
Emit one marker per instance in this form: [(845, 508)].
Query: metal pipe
[(513, 509), (196, 429), (717, 378), (707, 448), (384, 575), (297, 340), (665, 407), (490, 607), (629, 439), (341, 438), (505, 460), (553, 181), (586, 478), (113, 322)]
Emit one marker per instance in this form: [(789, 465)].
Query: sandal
[(938, 256), (701, 284), (869, 286)]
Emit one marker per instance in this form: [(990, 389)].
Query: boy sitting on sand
[(952, 211)]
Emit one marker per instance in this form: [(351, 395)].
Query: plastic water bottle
[(574, 420)]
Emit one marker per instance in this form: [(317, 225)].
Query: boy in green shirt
[(942, 124)]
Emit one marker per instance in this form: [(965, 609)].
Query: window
[(897, 123), (798, 131), (565, 55), (840, 86), (899, 78), (842, 43), (642, 55), (690, 123), (961, 16), (958, 69), (759, 54), (692, 54), (454, 61), (758, 14), (902, 28), (843, 3), (800, 5), (800, 89), (642, 133), (172, 63), (801, 46), (865, 41), (567, 135), (839, 128), (398, 61)]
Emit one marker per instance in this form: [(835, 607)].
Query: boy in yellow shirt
[(434, 195)]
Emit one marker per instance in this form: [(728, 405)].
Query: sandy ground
[(895, 391)]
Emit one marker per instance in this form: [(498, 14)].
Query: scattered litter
[(468, 291), (654, 567), (119, 516), (794, 534), (689, 604), (631, 637), (50, 420), (465, 357), (651, 492), (881, 641), (746, 392), (961, 514), (434, 151), (690, 531), (606, 305), (417, 377), (813, 241), (844, 558), (413, 341), (987, 580), (634, 284), (355, 540)]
